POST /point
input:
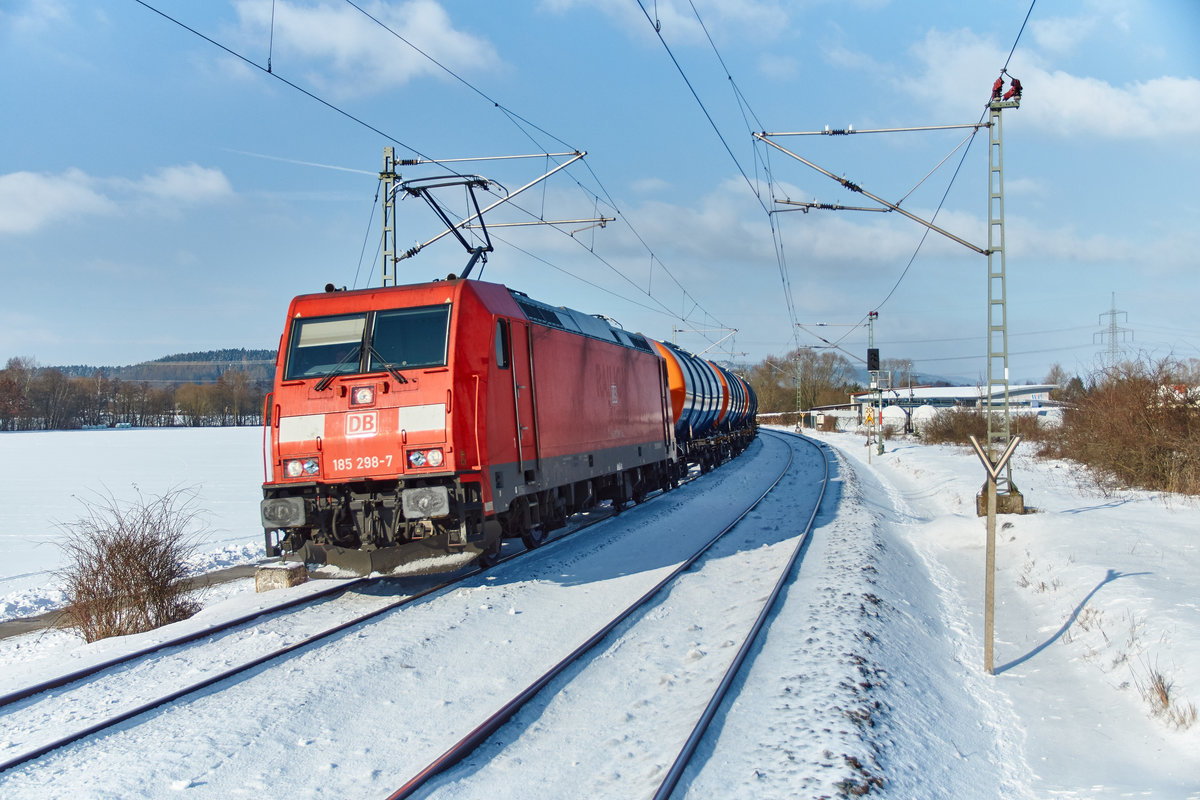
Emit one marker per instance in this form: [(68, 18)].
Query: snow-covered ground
[(47, 476), (874, 664), (1095, 595)]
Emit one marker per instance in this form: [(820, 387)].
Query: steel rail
[(124, 716), (689, 748), (476, 737), (75, 676), (116, 661), (149, 705)]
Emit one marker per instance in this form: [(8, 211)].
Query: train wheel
[(490, 554), (533, 537), (520, 522)]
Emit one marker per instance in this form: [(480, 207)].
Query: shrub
[(1159, 692), (1135, 428), (955, 426), (958, 425), (125, 565)]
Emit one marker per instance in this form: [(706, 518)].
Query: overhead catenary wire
[(663, 311), (953, 178), (250, 62), (662, 306), (367, 235), (957, 170), (742, 103), (523, 124), (499, 106), (743, 106), (700, 102), (271, 43)]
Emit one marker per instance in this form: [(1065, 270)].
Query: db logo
[(362, 423)]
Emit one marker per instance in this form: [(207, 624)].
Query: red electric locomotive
[(422, 420)]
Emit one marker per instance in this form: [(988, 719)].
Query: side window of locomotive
[(323, 346), (502, 343), (410, 337)]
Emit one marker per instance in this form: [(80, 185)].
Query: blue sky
[(160, 195)]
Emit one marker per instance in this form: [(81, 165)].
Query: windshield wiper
[(391, 368), (333, 372)]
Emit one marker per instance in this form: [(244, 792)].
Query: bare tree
[(824, 378)]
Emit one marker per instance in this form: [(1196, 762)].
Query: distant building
[(1033, 396), (899, 404)]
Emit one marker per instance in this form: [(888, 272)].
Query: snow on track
[(355, 717), (614, 722)]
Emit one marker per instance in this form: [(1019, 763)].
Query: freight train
[(439, 418)]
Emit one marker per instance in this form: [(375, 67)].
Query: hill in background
[(200, 367)]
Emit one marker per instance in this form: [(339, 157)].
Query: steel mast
[(999, 425)]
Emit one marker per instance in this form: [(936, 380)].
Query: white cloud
[(346, 53), (778, 67), (1061, 34), (37, 17), (190, 183), (650, 185), (1162, 107), (956, 70), (29, 200)]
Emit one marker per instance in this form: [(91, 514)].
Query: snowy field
[(46, 475), (1096, 595)]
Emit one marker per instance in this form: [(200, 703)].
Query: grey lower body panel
[(513, 480)]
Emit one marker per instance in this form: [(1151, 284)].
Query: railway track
[(70, 707), (86, 706), (85, 703), (517, 759), (395, 676)]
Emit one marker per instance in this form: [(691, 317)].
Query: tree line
[(821, 378), (47, 398), (200, 367)]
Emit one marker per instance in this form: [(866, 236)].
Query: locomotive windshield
[(405, 338), (325, 346)]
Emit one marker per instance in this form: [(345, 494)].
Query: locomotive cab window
[(325, 346), (502, 343), (407, 338)]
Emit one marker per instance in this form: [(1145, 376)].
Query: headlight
[(362, 395), (301, 467), (425, 458)]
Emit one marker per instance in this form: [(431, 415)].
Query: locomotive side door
[(524, 399)]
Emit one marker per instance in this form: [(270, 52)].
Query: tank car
[(437, 418), (713, 410)]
